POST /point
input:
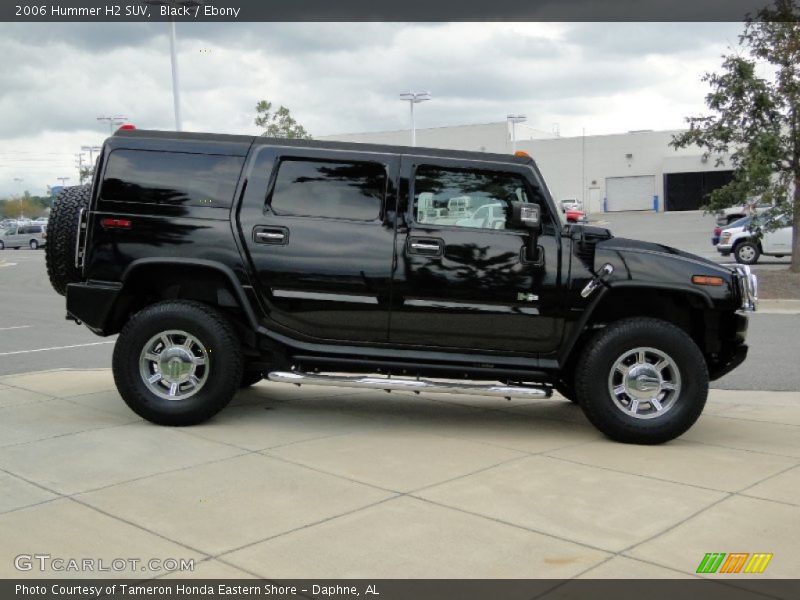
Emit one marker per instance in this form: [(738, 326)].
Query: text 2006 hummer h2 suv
[(224, 260)]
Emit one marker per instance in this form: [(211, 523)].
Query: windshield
[(743, 222)]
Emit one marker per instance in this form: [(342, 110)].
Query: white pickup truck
[(747, 248)]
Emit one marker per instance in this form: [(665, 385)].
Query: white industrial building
[(637, 170)]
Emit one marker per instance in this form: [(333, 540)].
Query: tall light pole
[(90, 171), (414, 98), (79, 164), (112, 121), (173, 53), (19, 181), (91, 150), (514, 119)]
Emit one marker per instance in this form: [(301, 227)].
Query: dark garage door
[(689, 191)]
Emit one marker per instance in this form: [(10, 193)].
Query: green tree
[(85, 175), (26, 205), (278, 123), (754, 118)]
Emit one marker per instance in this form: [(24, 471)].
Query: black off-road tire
[(596, 364), (250, 377), (217, 336), (62, 229)]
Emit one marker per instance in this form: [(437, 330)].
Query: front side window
[(333, 190), (171, 178), (465, 198)]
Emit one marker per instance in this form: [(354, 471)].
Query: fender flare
[(569, 343), (227, 272)]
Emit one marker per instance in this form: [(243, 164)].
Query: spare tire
[(62, 236)]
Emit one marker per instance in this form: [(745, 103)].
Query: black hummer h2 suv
[(224, 260)]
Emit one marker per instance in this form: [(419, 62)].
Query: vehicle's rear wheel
[(747, 253), (62, 236), (177, 363), (34, 245), (642, 381), (250, 377)]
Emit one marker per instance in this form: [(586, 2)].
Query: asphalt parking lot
[(310, 482)]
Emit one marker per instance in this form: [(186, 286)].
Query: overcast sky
[(337, 78)]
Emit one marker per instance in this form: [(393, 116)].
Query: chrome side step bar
[(411, 385)]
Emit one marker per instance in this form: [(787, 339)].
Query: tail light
[(115, 223), (717, 231)]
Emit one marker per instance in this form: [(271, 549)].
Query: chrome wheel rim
[(174, 365), (644, 383), (746, 253)]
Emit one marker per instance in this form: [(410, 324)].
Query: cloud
[(340, 77)]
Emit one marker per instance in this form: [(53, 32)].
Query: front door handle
[(276, 236), (426, 246)]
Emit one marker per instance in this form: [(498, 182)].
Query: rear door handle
[(426, 246), (276, 236)]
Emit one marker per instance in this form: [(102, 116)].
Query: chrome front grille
[(748, 287)]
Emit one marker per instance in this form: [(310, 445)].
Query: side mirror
[(526, 216)]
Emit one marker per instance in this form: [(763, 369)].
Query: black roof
[(355, 146)]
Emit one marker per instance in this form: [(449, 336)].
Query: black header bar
[(718, 588), (379, 10)]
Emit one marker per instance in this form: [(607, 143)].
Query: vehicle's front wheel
[(642, 381), (177, 363), (747, 253)]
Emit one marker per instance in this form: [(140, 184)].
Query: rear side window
[(171, 178), (334, 190)]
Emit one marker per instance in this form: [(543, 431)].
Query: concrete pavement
[(305, 482)]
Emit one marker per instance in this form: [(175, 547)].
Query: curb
[(778, 307)]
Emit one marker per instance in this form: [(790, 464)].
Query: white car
[(569, 204), (746, 248)]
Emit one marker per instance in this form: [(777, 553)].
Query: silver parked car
[(17, 236)]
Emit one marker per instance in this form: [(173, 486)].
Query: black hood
[(628, 245)]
